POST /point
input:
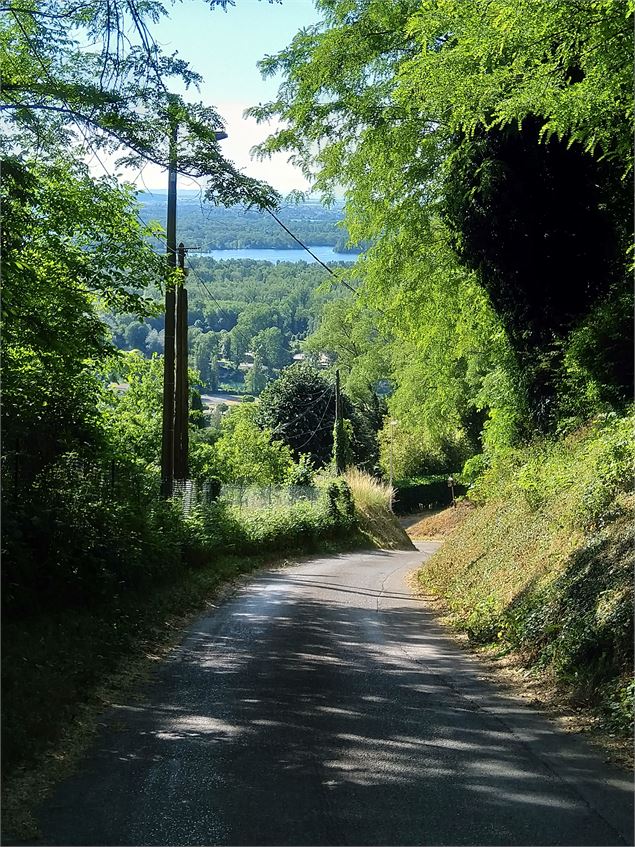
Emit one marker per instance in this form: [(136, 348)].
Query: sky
[(224, 47)]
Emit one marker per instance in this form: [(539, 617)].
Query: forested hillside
[(222, 228), (242, 313)]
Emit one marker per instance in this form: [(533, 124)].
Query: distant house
[(119, 387), (323, 360)]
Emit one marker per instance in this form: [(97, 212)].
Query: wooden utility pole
[(181, 417), (167, 435)]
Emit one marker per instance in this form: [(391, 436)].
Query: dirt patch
[(439, 524)]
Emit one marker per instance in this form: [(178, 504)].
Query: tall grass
[(373, 506), (368, 492)]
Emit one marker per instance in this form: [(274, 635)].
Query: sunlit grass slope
[(373, 502), (544, 564)]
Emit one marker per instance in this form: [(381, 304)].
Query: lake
[(323, 252)]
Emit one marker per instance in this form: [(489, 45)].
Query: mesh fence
[(269, 496), (23, 478), (190, 493)]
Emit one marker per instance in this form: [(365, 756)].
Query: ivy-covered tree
[(429, 92)]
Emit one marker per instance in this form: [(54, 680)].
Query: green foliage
[(132, 417), (247, 453), (348, 334), (481, 147), (70, 243), (205, 349), (545, 471), (256, 378), (302, 472), (299, 407), (269, 345), (544, 565), (94, 74)]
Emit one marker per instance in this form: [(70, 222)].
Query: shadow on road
[(288, 718)]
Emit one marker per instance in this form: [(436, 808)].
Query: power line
[(318, 428), (310, 252)]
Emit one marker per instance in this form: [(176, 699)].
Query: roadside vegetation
[(116, 574), (544, 564), (373, 504)]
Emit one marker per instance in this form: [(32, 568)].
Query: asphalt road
[(322, 705)]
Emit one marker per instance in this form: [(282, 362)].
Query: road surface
[(322, 705)]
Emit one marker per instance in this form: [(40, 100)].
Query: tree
[(545, 227), (136, 334), (69, 243), (420, 123), (253, 319), (349, 334), (255, 379), (113, 95), (154, 342), (248, 454), (205, 350), (133, 418), (299, 408), (269, 344)]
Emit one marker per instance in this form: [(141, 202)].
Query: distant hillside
[(219, 228)]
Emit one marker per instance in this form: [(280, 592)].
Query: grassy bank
[(544, 564)]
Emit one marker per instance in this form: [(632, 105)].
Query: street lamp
[(393, 424)]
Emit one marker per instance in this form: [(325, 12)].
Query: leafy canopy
[(113, 95)]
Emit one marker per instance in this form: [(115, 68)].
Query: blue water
[(324, 253)]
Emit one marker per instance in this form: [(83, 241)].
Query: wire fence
[(24, 479), (191, 493), (256, 497)]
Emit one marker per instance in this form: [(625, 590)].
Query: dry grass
[(369, 492), (438, 525), (373, 504)]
